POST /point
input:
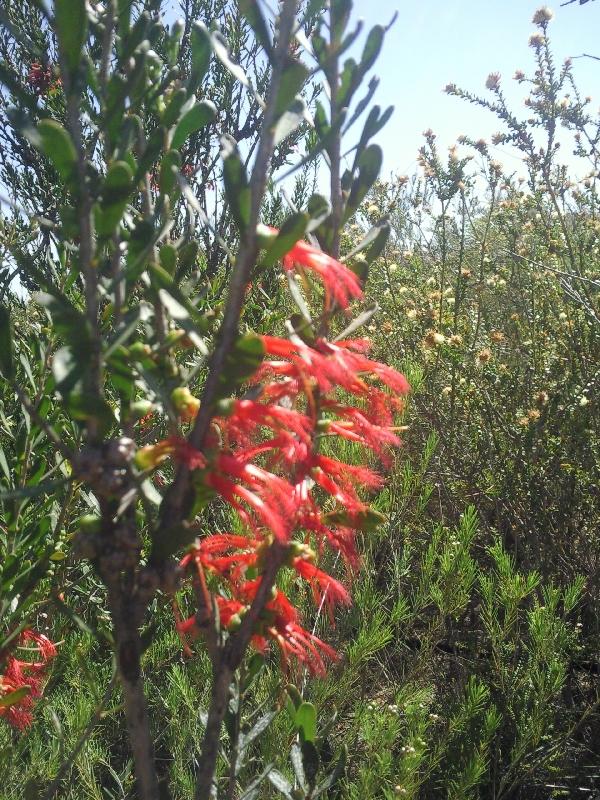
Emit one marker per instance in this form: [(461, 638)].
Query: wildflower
[(484, 356), (497, 337), (433, 339), (493, 81), (583, 401), (533, 414), (455, 340), (393, 268), (373, 210), (541, 398), (27, 675), (519, 75), (537, 40), (446, 391), (341, 284), (543, 16)]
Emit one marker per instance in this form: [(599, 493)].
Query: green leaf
[(289, 121), (373, 124), (12, 698), (46, 487), (7, 367), (368, 520), (242, 361), (173, 110), (235, 179), (306, 721), (291, 231), (252, 13), (219, 46), (193, 120), (55, 143), (281, 783), (294, 696), (169, 167), (167, 255), (372, 48), (115, 194), (83, 406), (369, 166), (201, 48), (71, 21), (319, 208), (293, 77)]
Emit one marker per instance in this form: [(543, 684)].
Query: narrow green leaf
[(281, 783), (251, 11), (196, 118), (363, 520), (369, 166), (241, 363), (12, 698), (306, 721), (291, 231), (71, 21), (7, 367), (117, 188), (55, 143), (293, 77), (201, 47), (236, 182), (290, 120)]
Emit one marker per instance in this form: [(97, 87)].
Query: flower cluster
[(268, 457), (41, 79), (25, 678)]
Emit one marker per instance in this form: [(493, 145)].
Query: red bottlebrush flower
[(306, 647), (269, 496), (330, 365), (324, 586), (20, 674), (340, 283), (249, 415)]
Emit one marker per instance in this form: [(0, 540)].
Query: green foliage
[(469, 654)]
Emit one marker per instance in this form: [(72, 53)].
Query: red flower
[(340, 283), (21, 674)]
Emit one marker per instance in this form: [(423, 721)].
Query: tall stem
[(129, 653)]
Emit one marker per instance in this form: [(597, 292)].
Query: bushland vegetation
[(298, 488)]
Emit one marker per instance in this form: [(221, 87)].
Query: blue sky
[(435, 42)]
